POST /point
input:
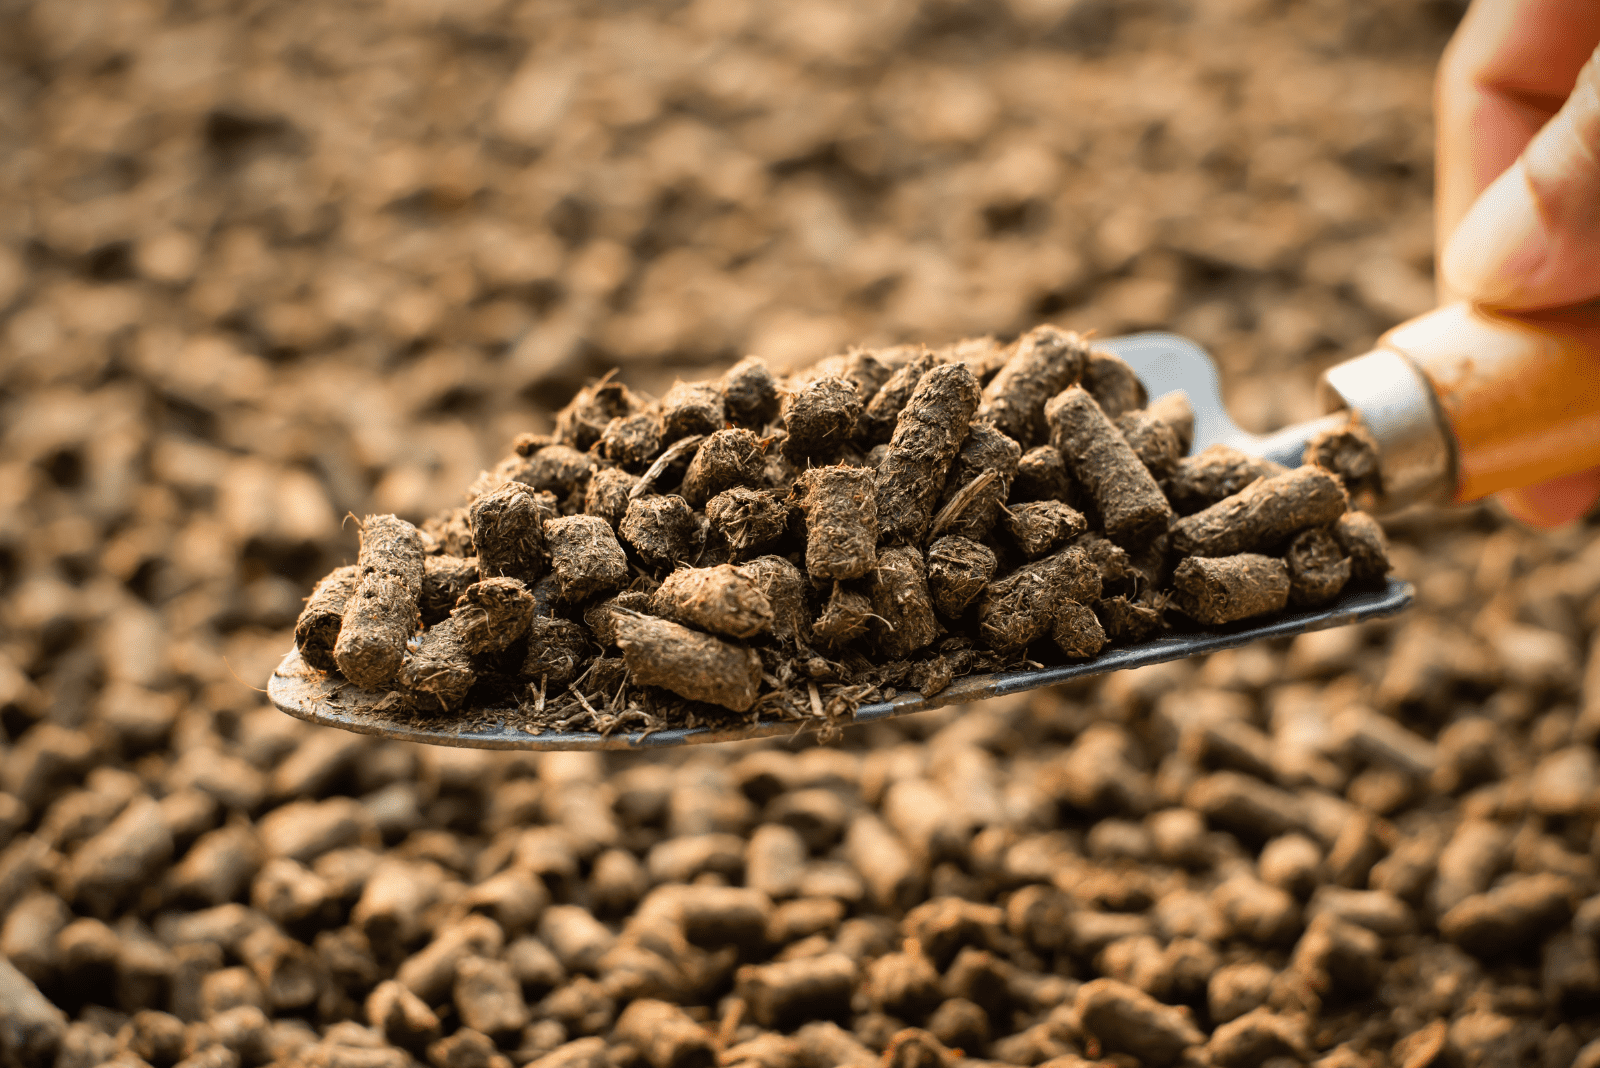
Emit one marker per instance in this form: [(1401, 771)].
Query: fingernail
[(1500, 243)]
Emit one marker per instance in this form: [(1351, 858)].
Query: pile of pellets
[(787, 549), (1369, 846)]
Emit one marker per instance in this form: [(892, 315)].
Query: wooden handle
[(1521, 393)]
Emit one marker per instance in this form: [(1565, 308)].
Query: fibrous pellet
[(1349, 451), (632, 440), (382, 612), (1216, 472), (1042, 476), (748, 519), (438, 663), (841, 509), (843, 618), (901, 603), (1045, 362), (727, 458), (1112, 383), (1153, 441), (1077, 630), (1175, 410), (985, 452), (721, 599), (607, 494), (1223, 589), (1363, 540), (750, 393), (958, 571), (450, 533), (784, 588), (1132, 508), (691, 408), (1020, 608), (317, 629), (507, 533), (585, 556), (1125, 1019), (1318, 568), (666, 1036), (444, 580), (492, 614), (698, 666), (599, 619), (582, 421), (1040, 526), (820, 418), (1263, 515), (662, 529), (786, 993), (930, 431), (555, 649), (557, 469), (877, 422)]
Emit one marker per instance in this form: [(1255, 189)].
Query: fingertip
[(1554, 503)]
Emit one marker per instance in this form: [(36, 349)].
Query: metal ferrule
[(1416, 451)]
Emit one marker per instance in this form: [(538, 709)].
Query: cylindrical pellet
[(1263, 515), (317, 629), (926, 438), (687, 662), (1131, 505), (1216, 590), (382, 613)]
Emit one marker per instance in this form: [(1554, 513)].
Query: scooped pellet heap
[(787, 548)]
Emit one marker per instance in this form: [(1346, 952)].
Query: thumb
[(1532, 239)]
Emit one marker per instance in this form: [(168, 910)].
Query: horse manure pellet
[(782, 584), (820, 419), (1153, 440), (958, 571), (585, 556), (492, 614), (1077, 631), (1349, 451), (1177, 413), (1041, 526), (687, 662), (1263, 515), (444, 579), (1132, 508), (601, 621), (1216, 472), (662, 529), (843, 618), (978, 484), (750, 393), (1019, 609), (748, 520), (786, 993), (610, 489), (587, 415), (877, 422), (691, 408), (723, 600), (381, 614), (841, 509), (632, 440), (1318, 568), (903, 610), (726, 459), (1044, 362), (1364, 542), (927, 436), (666, 1036), (317, 629), (1224, 589), (1113, 384), (508, 533)]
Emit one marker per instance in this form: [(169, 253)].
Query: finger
[(1532, 240), (1557, 502), (1506, 72)]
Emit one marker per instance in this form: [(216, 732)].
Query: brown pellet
[(726, 459), (662, 529), (1263, 515), (382, 612), (507, 533), (1046, 361), (820, 418), (901, 603), (784, 588), (958, 571), (722, 600), (1364, 542), (750, 393), (927, 436), (690, 664), (1227, 588), (1042, 476), (317, 629), (877, 421), (1020, 608), (989, 454), (1132, 509), (1041, 526), (841, 510), (1217, 472), (585, 556), (1113, 384), (691, 408), (843, 618), (444, 580), (1077, 630), (1318, 568), (748, 520)]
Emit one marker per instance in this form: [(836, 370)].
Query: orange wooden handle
[(1521, 393)]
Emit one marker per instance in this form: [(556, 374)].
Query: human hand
[(1517, 197)]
